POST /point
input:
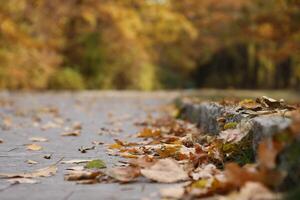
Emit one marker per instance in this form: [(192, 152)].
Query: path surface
[(25, 115)]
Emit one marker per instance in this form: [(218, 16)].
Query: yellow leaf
[(34, 147), (168, 150), (115, 146), (149, 133)]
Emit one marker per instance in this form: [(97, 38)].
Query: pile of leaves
[(193, 163), (179, 153)]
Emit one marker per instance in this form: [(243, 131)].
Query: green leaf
[(95, 164)]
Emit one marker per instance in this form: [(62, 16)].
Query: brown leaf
[(238, 176), (168, 150), (81, 175), (124, 174), (71, 133), (44, 172), (253, 191), (34, 147), (267, 153), (165, 171), (1, 141), (143, 162)]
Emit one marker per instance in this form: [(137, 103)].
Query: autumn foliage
[(149, 44)]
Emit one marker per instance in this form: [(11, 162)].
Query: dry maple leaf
[(165, 171), (34, 147), (124, 174)]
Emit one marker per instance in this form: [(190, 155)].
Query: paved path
[(23, 115)]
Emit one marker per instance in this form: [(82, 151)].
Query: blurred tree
[(149, 44)]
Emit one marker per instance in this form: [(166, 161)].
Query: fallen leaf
[(97, 143), (168, 150), (250, 105), (34, 147), (204, 172), (253, 191), (38, 139), (22, 180), (85, 149), (1, 141), (71, 133), (76, 168), (128, 155), (124, 174), (48, 156), (143, 162), (147, 133), (238, 176), (267, 153), (95, 164), (81, 175), (115, 146), (31, 162), (76, 161), (165, 171), (44, 172)]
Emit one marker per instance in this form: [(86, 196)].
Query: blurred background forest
[(149, 44)]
